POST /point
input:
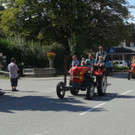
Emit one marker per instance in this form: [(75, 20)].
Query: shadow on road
[(44, 103), (111, 96)]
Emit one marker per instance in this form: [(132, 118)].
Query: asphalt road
[(36, 109)]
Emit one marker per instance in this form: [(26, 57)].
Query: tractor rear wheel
[(101, 85), (90, 91), (60, 90)]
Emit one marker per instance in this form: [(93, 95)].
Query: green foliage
[(56, 19), (26, 52), (119, 68), (124, 68), (31, 53), (72, 44), (79, 25)]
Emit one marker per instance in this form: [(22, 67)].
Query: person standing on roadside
[(13, 68)]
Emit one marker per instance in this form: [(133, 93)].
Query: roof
[(122, 50)]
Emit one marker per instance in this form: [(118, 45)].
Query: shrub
[(32, 54), (125, 68), (24, 51)]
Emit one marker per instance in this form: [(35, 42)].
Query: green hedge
[(28, 56), (121, 68), (31, 53)]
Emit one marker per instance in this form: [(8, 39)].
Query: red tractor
[(131, 73), (82, 79)]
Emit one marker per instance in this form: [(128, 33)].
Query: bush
[(27, 52), (32, 54), (125, 68)]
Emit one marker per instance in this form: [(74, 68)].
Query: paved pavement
[(36, 109), (27, 85)]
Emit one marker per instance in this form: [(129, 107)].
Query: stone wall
[(39, 72)]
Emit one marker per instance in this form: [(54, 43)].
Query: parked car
[(120, 63)]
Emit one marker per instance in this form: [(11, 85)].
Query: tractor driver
[(90, 61)]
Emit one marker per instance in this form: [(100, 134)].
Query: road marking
[(91, 109), (126, 92)]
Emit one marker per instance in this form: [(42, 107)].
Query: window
[(132, 44)]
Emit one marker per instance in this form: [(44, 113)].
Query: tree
[(97, 21), (1, 9)]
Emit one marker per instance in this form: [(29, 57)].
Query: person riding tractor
[(131, 72), (85, 78)]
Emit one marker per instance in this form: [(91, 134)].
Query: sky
[(132, 2)]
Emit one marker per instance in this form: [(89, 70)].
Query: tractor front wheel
[(60, 90)]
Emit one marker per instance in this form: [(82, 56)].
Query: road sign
[(111, 50)]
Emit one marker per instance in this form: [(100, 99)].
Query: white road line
[(91, 109), (126, 92)]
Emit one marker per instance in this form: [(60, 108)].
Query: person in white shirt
[(83, 62), (13, 68)]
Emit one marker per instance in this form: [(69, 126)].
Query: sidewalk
[(119, 75)]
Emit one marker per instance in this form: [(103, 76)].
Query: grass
[(4, 77)]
